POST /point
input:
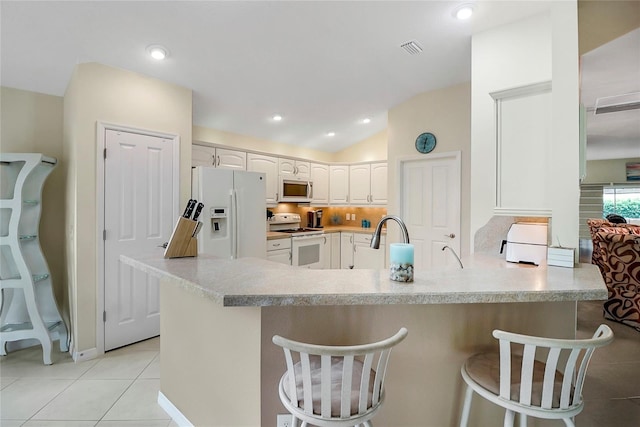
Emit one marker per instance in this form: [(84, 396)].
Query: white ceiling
[(323, 65)]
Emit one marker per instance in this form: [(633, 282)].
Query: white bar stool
[(520, 383), (330, 386)]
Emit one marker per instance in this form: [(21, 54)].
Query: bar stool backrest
[(569, 357), (338, 383)]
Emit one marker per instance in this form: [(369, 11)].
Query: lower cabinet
[(364, 256), (346, 250), (335, 250), (279, 250)]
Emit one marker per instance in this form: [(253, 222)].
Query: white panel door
[(430, 203), (138, 218)]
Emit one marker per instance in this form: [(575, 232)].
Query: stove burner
[(298, 230)]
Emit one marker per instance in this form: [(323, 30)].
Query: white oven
[(306, 250)]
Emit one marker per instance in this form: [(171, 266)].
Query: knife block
[(182, 243)]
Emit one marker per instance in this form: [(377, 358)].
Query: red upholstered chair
[(621, 273)]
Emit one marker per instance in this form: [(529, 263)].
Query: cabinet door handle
[(289, 256), (213, 160), (276, 197), (325, 239), (218, 160), (276, 244)]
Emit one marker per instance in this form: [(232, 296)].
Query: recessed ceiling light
[(331, 134), (276, 117), (157, 52), (464, 11), (366, 121)]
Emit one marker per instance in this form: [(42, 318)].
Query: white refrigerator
[(234, 212)]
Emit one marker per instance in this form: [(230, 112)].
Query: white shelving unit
[(28, 309)]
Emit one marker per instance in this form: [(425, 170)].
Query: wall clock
[(425, 142)]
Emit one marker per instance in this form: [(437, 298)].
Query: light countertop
[(258, 282)]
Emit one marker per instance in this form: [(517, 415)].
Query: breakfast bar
[(219, 367)]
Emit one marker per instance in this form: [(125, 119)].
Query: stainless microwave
[(295, 189)]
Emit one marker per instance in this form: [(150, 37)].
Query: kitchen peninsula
[(219, 367)]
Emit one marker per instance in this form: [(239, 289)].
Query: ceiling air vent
[(412, 47), (612, 104)]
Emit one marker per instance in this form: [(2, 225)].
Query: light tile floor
[(120, 389)]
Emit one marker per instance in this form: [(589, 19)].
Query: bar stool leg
[(523, 420), (464, 418), (509, 418)]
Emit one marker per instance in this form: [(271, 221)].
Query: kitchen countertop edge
[(257, 282)]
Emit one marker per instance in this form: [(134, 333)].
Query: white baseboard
[(173, 412), (81, 356)]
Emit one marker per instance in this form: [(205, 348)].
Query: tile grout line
[(129, 386)]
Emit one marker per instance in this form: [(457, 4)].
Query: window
[(624, 201)]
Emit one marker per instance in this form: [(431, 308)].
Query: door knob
[(450, 235)]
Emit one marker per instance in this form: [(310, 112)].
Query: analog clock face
[(425, 142)]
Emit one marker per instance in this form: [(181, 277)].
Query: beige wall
[(100, 93), (447, 113), (533, 50), (32, 123), (373, 148), (370, 149), (608, 171), (249, 143)]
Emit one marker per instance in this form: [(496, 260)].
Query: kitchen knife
[(197, 229), (196, 214), (190, 205)]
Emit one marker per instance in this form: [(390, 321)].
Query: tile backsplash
[(335, 215)]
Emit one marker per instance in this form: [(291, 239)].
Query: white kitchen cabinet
[(335, 250), (524, 183), (320, 178), (379, 183), (339, 184), (269, 166), (368, 184), (366, 257), (346, 250), (326, 251), (294, 167), (204, 155), (279, 250), (359, 184)]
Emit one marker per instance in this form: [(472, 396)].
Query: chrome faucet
[(375, 239), (454, 254)]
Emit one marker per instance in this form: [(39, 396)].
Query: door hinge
[(104, 316), (104, 234)]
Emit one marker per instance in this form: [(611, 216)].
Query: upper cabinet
[(294, 167), (269, 166), (203, 155), (368, 184), (339, 184), (320, 179), (523, 146)]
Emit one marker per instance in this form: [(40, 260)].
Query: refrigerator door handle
[(234, 227)]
